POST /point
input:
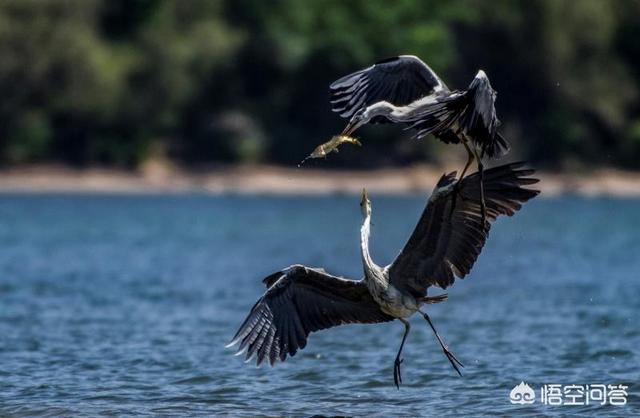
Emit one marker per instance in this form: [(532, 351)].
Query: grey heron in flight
[(405, 90), (444, 245)]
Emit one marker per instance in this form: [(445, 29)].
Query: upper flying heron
[(445, 244), (406, 90)]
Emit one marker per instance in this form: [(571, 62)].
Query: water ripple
[(121, 305)]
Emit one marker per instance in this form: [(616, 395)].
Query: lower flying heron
[(444, 245)]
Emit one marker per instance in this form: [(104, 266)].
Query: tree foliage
[(89, 81)]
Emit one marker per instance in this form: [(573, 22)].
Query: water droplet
[(303, 161)]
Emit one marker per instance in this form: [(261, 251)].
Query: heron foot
[(397, 376), (452, 359), (450, 356)]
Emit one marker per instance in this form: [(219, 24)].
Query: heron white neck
[(386, 109), (367, 263)]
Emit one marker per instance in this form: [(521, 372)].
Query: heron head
[(365, 204), (361, 117)]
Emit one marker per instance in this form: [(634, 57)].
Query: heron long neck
[(387, 110), (367, 262)]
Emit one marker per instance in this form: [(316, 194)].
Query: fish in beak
[(322, 150), (354, 123)]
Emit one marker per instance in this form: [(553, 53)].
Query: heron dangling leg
[(483, 206), (397, 377), (470, 158), (450, 356)]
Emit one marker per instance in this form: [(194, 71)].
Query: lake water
[(123, 304)]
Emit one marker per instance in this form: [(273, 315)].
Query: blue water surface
[(122, 304)]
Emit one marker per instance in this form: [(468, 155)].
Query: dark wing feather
[(398, 80), (440, 117), (302, 300), (481, 122), (450, 235), (471, 112)]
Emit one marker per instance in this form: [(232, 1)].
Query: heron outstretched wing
[(398, 80), (300, 300), (449, 236)]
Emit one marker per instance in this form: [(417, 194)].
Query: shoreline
[(274, 180)]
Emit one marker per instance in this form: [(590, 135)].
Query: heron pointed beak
[(365, 197), (352, 126)]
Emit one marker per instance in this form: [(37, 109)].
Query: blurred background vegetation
[(116, 82)]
